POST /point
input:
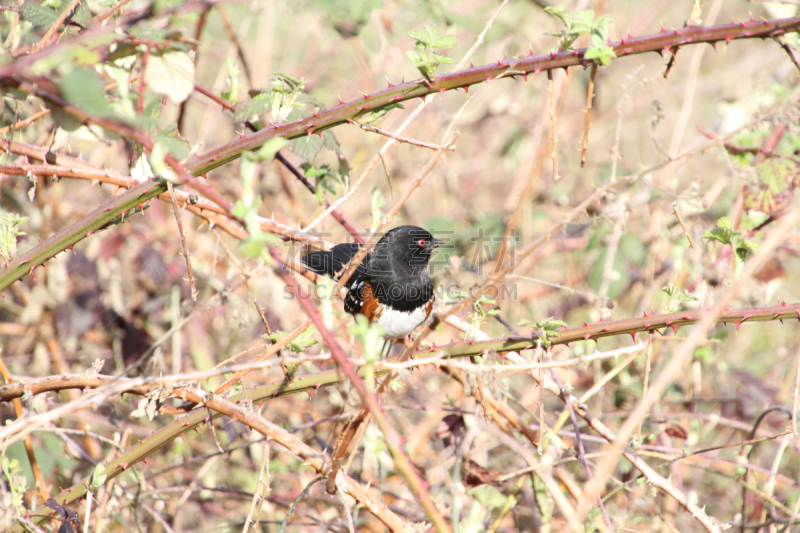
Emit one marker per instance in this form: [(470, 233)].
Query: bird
[(391, 286)]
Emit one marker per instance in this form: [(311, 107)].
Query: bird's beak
[(436, 243)]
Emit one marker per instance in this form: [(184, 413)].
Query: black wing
[(332, 263)]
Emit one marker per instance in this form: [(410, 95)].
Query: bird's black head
[(406, 248)]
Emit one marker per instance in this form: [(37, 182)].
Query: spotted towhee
[(391, 286)]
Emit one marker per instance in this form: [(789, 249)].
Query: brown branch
[(75, 168), (59, 21), (235, 39), (407, 140), (586, 125), (551, 91), (788, 50), (523, 65), (41, 486), (370, 399), (176, 211), (110, 13), (22, 123), (683, 353), (683, 226)]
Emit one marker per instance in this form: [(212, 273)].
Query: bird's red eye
[(421, 243)]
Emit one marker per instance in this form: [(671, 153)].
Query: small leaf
[(297, 345), (9, 231), (99, 477), (171, 74), (306, 147), (37, 14), (83, 88)]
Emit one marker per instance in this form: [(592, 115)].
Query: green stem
[(96, 220)]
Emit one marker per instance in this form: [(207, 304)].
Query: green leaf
[(171, 74), (725, 234), (297, 345), (37, 14), (83, 88), (774, 187), (306, 147), (601, 53), (326, 180), (9, 231), (99, 477), (233, 82), (167, 146), (548, 328), (676, 297), (423, 56), (251, 110), (80, 16)]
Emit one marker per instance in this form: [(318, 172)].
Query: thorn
[(633, 335), (315, 115), (713, 45), (606, 330), (662, 29), (471, 64), (277, 126), (585, 324), (466, 89), (310, 131), (675, 328), (737, 324), (441, 91), (552, 54), (678, 32), (728, 39), (341, 102), (525, 77), (31, 272), (586, 337), (320, 134)]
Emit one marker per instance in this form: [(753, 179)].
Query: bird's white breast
[(398, 324)]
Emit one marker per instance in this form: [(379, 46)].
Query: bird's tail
[(331, 263), (319, 262)]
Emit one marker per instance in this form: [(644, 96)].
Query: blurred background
[(122, 293)]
